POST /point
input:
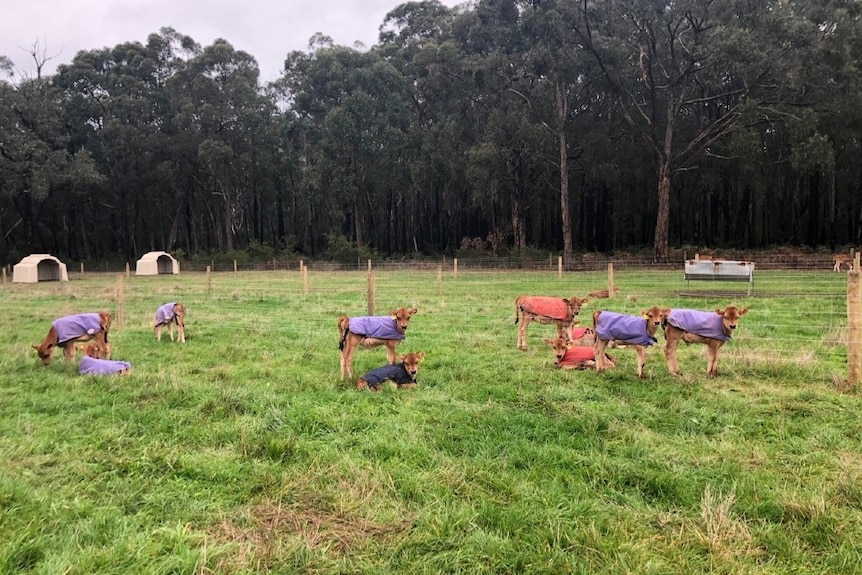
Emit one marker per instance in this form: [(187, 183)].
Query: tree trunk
[(662, 223), (568, 252)]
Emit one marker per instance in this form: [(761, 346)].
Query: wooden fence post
[(610, 279), (370, 290), (234, 267), (854, 326), (128, 270), (121, 300), (439, 280), (4, 275), (209, 279), (305, 279), (560, 267), (455, 268)]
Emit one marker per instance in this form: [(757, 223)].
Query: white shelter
[(39, 268), (157, 263)]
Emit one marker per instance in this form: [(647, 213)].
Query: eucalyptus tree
[(38, 167), (351, 106), (218, 103), (118, 109), (685, 74)]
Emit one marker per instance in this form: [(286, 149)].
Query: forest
[(498, 126)]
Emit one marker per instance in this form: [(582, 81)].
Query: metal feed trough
[(720, 270)]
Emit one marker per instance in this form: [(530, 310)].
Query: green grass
[(242, 451)]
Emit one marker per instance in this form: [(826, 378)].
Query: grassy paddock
[(242, 452)]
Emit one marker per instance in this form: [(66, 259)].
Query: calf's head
[(574, 304), (411, 363), (402, 318), (44, 352), (655, 316), (180, 314), (560, 345), (730, 317)]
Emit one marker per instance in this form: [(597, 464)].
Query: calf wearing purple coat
[(627, 330), (371, 331), (692, 326), (67, 330)]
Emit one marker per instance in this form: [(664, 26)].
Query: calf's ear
[(420, 355)]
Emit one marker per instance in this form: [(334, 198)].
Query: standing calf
[(627, 329), (371, 331), (558, 311), (67, 330), (692, 326), (839, 260), (171, 314)]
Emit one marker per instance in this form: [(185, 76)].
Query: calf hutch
[(157, 263), (720, 270), (39, 268)]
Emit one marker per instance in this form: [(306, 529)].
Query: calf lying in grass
[(567, 355), (618, 328), (68, 330), (693, 326), (96, 362), (403, 373)]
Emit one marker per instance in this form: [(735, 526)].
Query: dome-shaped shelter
[(39, 268), (157, 263)]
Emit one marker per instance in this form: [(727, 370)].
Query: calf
[(403, 374), (558, 311), (839, 260), (603, 293), (96, 361), (371, 331), (620, 328), (67, 330), (171, 314), (692, 326), (567, 355)]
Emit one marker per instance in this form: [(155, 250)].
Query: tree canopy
[(500, 125)]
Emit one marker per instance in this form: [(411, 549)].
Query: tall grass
[(242, 451)]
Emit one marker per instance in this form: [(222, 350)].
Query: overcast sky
[(266, 29)]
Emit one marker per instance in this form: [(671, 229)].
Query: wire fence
[(798, 306)]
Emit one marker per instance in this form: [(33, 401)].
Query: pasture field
[(241, 451)]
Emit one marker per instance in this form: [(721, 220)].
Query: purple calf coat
[(621, 327), (702, 323), (92, 366), (74, 326), (165, 313), (396, 373), (375, 326)]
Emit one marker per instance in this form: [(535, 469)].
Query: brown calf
[(625, 329), (707, 328), (839, 260), (171, 314), (558, 311), (567, 355), (93, 326), (603, 293), (95, 349), (371, 331), (403, 373)]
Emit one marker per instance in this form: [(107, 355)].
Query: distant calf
[(692, 326), (371, 331), (633, 330), (558, 311), (603, 293), (171, 314), (403, 374), (570, 356), (839, 260), (67, 330)]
